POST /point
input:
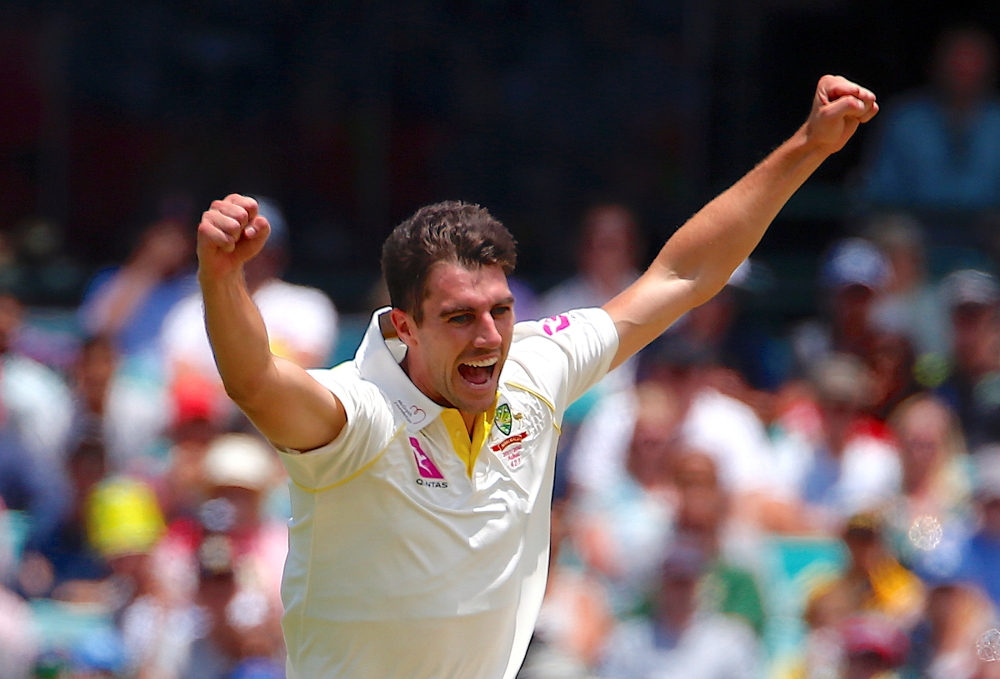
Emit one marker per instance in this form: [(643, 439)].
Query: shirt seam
[(541, 398), (356, 474)]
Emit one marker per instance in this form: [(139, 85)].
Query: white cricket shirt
[(416, 553)]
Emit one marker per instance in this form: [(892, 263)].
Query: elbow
[(704, 288), (246, 393)]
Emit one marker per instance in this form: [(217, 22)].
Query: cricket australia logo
[(503, 418), (430, 475)]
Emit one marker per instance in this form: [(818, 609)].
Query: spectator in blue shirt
[(939, 148)]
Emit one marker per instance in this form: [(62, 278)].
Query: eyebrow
[(452, 311)]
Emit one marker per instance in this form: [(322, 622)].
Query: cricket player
[(421, 471)]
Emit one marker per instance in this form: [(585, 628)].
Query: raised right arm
[(282, 400)]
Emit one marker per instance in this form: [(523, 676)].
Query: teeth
[(482, 363)]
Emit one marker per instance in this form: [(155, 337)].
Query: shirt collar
[(378, 363)]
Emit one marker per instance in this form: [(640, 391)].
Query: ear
[(404, 325)]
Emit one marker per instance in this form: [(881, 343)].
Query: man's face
[(455, 354)]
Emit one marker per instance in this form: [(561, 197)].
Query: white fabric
[(716, 424), (869, 475), (730, 431), (299, 320), (394, 572), (711, 647), (39, 405)]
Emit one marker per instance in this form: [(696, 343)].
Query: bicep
[(644, 310), (295, 411)]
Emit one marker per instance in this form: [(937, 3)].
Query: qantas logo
[(426, 467)]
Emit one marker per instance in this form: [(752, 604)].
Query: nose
[(488, 337)]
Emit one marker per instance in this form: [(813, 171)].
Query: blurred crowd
[(143, 522), (819, 500), (815, 501)]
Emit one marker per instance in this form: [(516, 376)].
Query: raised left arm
[(696, 262)]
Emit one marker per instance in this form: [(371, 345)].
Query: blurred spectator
[(703, 518), (981, 558), (940, 148), (973, 389), (157, 624), (837, 458), (607, 258), (128, 303), (727, 429), (623, 524), (747, 363), (62, 561), (909, 305), (27, 484), (682, 640), (124, 523), (944, 643), (874, 582), (301, 322), (238, 471), (18, 638), (929, 520), (98, 655), (35, 401), (893, 370), (872, 646), (607, 261), (575, 617), (216, 599), (196, 415), (853, 275), (126, 415)]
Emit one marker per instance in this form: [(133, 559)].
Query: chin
[(476, 405)]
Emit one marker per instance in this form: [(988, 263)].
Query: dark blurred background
[(353, 114)]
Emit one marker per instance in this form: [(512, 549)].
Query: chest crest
[(516, 425)]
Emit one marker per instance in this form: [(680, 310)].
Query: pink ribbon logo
[(555, 324)]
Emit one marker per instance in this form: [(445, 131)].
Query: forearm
[(697, 261), (118, 300), (707, 249), (237, 334)]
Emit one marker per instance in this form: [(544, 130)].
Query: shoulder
[(283, 291), (563, 330), (567, 353), (26, 372), (361, 398), (346, 375)]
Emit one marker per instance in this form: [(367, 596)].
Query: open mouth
[(478, 372)]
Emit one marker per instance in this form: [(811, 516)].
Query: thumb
[(257, 228), (252, 238)]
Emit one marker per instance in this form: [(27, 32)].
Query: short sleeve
[(568, 353), (370, 428)]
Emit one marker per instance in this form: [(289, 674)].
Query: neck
[(468, 418)]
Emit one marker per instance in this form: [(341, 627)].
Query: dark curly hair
[(451, 231)]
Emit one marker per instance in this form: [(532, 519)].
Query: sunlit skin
[(468, 315)]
